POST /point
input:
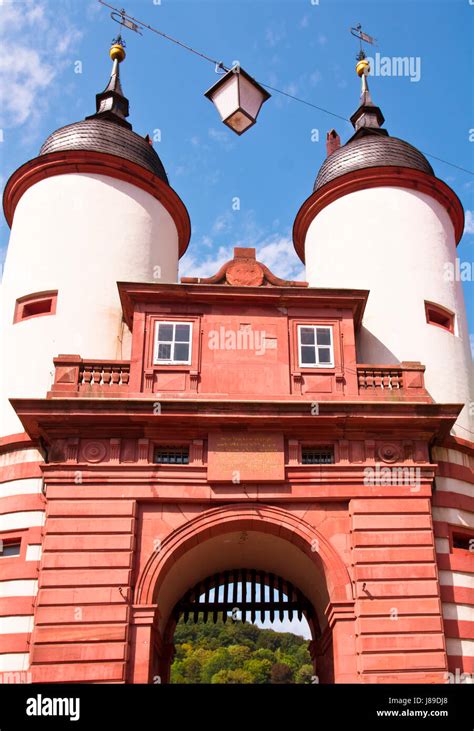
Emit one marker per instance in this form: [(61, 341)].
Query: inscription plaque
[(245, 457)]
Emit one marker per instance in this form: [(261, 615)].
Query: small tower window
[(9, 548), (315, 346), (439, 316), (173, 343), (35, 305), (463, 541)]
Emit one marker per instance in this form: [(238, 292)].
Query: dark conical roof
[(101, 135), (368, 152), (108, 131), (370, 146)]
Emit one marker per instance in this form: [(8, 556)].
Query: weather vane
[(120, 16), (363, 37)]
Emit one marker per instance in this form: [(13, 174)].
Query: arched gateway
[(267, 540), (237, 421)]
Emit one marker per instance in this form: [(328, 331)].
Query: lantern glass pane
[(226, 98), (251, 98)]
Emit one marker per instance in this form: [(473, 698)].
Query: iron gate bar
[(243, 588), (277, 596), (233, 588), (281, 613), (272, 594), (207, 584), (262, 595), (253, 595), (226, 593)]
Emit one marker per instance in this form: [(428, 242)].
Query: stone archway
[(276, 541)]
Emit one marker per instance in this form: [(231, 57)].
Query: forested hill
[(238, 653)]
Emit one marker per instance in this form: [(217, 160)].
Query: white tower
[(379, 219), (92, 209)]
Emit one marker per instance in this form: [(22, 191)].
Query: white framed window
[(315, 346), (173, 343)]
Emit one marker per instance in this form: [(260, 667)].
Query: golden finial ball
[(117, 52), (363, 67)]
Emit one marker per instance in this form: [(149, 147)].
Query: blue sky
[(301, 47)]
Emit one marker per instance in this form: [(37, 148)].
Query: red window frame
[(14, 537), (465, 532), (38, 304), (439, 316)]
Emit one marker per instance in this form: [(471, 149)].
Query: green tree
[(206, 650), (239, 654), (281, 673), (192, 669), (260, 670), (263, 654), (287, 659), (177, 673), (232, 677), (304, 675), (220, 660)]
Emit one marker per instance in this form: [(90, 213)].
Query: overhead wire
[(220, 65)]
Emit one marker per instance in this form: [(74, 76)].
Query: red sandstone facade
[(124, 537)]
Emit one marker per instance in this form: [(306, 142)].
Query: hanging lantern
[(238, 99)]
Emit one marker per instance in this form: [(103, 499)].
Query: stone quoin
[(311, 435)]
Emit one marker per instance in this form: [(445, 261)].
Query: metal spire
[(111, 104), (368, 118)]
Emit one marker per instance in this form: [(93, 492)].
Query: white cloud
[(314, 78), (221, 136), (291, 88), (469, 223), (217, 134), (274, 34), (194, 265), (278, 253), (294, 86), (25, 76), (221, 223), (93, 9), (180, 170), (275, 250), (37, 41)]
